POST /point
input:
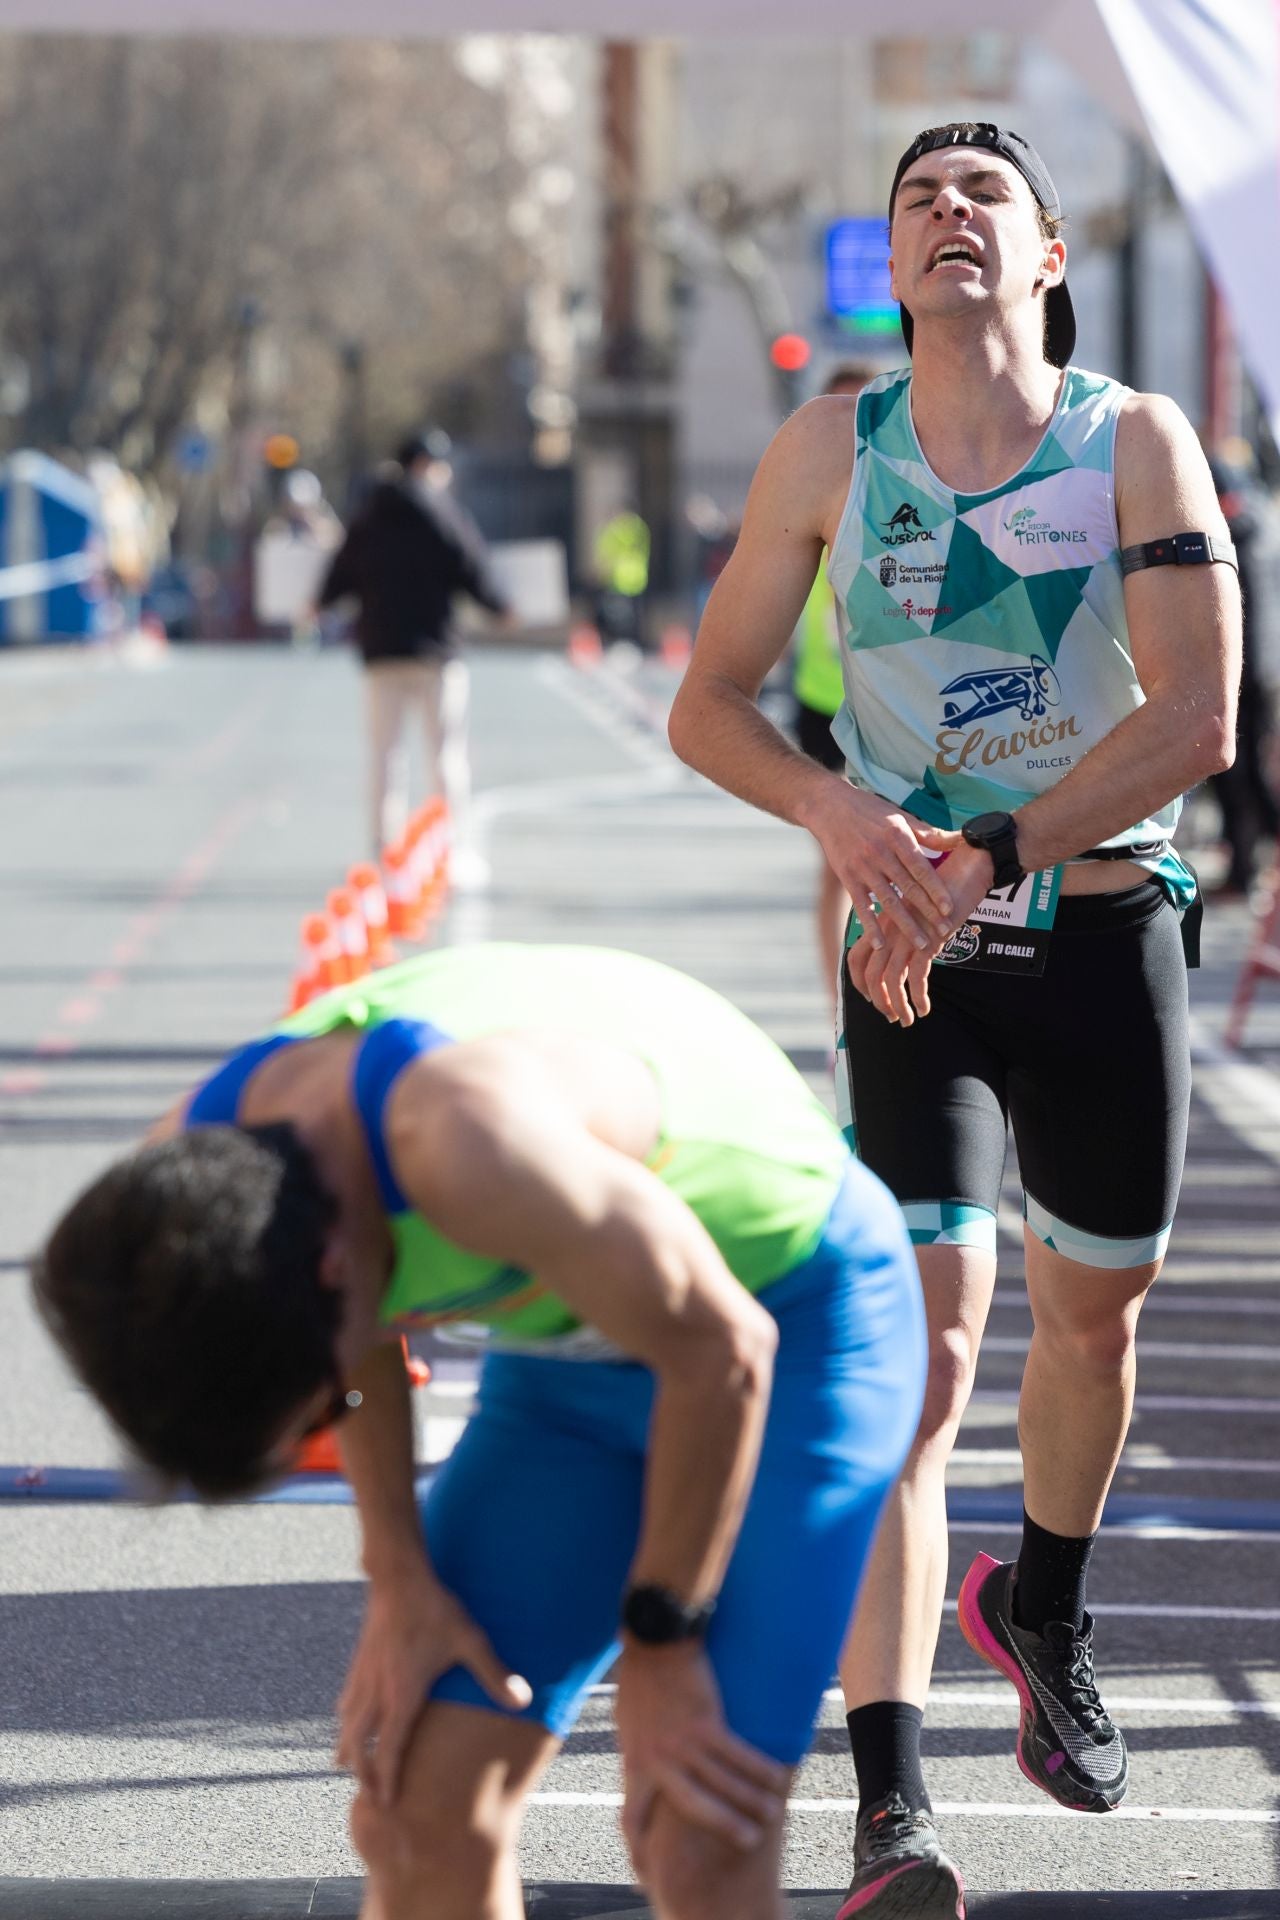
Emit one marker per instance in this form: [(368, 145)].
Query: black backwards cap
[(1059, 314)]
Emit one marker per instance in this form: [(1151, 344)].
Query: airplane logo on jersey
[(904, 526), (1027, 691)]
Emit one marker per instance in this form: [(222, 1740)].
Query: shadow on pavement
[(340, 1900)]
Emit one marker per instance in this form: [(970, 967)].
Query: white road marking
[(1161, 1350), (981, 1810), (637, 735), (1145, 1402), (1002, 1698), (1133, 1463), (1246, 1098), (1163, 1298)]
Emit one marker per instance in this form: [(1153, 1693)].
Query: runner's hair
[(1050, 225), (184, 1287)]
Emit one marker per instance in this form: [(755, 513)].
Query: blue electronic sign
[(858, 296)]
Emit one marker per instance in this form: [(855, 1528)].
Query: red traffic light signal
[(790, 352)]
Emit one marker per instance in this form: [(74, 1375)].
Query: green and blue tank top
[(743, 1142), (984, 645)]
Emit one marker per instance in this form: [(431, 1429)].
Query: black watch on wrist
[(997, 834), (659, 1618)]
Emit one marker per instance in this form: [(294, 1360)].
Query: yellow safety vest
[(818, 681)]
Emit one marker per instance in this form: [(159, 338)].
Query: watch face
[(987, 826)]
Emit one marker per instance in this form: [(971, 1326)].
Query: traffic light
[(280, 450), (789, 355)]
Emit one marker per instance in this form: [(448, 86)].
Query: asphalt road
[(167, 1676)]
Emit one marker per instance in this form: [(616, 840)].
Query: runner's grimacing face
[(966, 234)]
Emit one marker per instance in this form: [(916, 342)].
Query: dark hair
[(184, 1287), (848, 373), (432, 443)]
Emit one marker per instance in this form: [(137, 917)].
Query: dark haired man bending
[(1030, 686), (708, 1365)]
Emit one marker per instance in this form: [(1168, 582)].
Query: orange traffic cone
[(438, 835), (675, 647), (348, 926), (404, 915), (308, 975), (418, 1371), (318, 1453), (585, 648), (424, 852), (365, 882), (320, 965)]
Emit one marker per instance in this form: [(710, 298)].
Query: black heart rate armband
[(1179, 550)]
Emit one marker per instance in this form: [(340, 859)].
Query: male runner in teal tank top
[(1029, 688), (708, 1364)]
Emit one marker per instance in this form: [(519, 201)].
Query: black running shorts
[(814, 737), (1089, 1061)]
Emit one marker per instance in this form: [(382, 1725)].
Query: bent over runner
[(706, 1366)]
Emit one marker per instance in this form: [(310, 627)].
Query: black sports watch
[(659, 1618), (997, 834)]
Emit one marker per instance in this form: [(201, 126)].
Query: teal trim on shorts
[(844, 1100), (1092, 1249), (949, 1223)]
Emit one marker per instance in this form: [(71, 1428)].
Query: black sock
[(1050, 1582), (885, 1738)]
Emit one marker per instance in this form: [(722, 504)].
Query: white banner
[(1206, 74)]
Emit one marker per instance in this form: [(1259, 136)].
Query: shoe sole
[(984, 1643), (917, 1890)]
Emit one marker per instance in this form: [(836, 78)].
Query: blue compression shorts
[(533, 1520)]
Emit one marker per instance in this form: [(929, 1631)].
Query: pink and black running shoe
[(900, 1871), (1068, 1745)]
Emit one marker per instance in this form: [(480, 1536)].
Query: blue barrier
[(996, 1506)]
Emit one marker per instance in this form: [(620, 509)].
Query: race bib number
[(1009, 931)]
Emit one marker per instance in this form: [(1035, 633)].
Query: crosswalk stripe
[(981, 1810)]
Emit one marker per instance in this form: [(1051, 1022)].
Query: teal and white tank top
[(984, 644)]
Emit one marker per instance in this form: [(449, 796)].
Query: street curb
[(340, 1900)]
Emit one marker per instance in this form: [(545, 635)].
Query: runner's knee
[(458, 1847), (693, 1875), (953, 1359), (1100, 1348)]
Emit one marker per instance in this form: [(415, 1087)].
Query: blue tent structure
[(51, 551)]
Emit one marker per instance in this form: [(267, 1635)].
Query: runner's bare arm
[(168, 1124), (793, 508), (498, 1155), (414, 1628), (1184, 632)]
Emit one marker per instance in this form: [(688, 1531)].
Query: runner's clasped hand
[(893, 975), (878, 851)]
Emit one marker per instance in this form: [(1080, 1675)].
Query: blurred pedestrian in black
[(410, 550), (1243, 792)]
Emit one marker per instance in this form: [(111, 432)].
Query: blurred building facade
[(818, 127)]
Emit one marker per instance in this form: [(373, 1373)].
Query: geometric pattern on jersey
[(984, 645), (742, 1141)]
